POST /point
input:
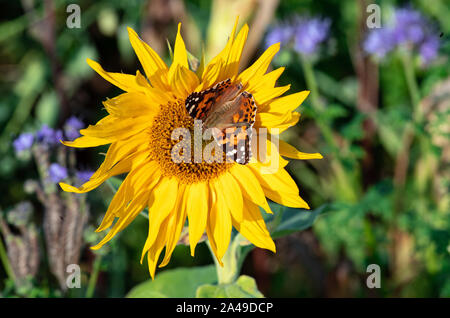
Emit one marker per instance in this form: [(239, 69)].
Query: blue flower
[(57, 172), (48, 136), (23, 142), (72, 127), (379, 42), (429, 49), (309, 33), (410, 26), (84, 175), (279, 33), (408, 29)]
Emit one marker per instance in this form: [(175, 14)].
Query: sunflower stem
[(229, 272)]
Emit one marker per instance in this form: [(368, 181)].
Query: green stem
[(413, 88), (94, 276), (229, 272), (325, 128), (5, 261), (317, 105), (311, 82)]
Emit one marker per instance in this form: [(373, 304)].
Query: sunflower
[(213, 197)]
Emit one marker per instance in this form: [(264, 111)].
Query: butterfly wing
[(229, 110), (235, 128)]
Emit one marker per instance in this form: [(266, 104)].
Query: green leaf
[(180, 282), (114, 183), (290, 220), (47, 109), (243, 287)]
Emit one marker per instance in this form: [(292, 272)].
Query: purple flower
[(309, 33), (23, 142), (408, 29), (279, 33), (57, 172), (429, 49), (72, 127), (48, 136), (84, 175), (410, 26), (379, 42)]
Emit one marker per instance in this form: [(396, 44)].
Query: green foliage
[(286, 221), (362, 210), (180, 282), (243, 287)]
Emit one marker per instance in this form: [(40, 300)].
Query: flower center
[(187, 170)]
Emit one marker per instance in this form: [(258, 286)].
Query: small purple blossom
[(72, 127), (410, 26), (23, 142), (57, 172), (379, 42), (429, 49), (305, 33), (310, 33), (84, 175), (408, 29), (48, 136), (279, 33)]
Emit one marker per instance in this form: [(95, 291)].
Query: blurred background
[(379, 112)]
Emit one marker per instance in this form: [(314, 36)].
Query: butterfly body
[(230, 112)]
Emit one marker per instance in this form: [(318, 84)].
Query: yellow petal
[(176, 223), (235, 53), (130, 105), (133, 209), (286, 104), (267, 156), (145, 175), (121, 167), (156, 248), (120, 150), (277, 123), (160, 204), (219, 64), (266, 82), (197, 211), (289, 151), (179, 55), (210, 75), (279, 187), (265, 95), (253, 228), (250, 186), (117, 128), (260, 66), (231, 191), (154, 67), (271, 119), (209, 228), (183, 81), (125, 82), (86, 141), (220, 221)]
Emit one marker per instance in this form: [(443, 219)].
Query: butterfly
[(231, 112)]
